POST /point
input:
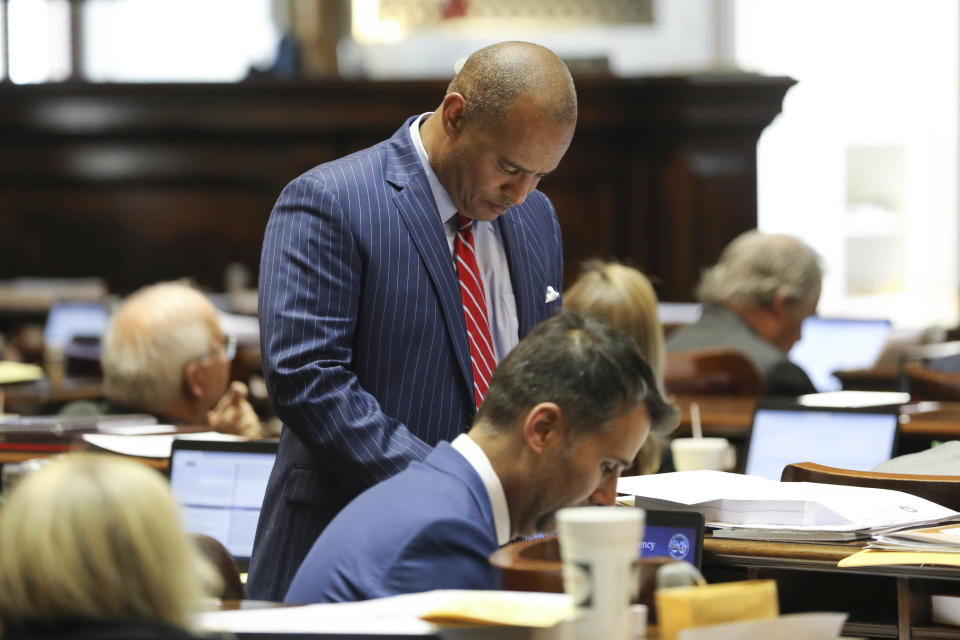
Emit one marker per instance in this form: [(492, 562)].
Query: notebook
[(782, 434), (673, 534), (219, 487), (832, 344)]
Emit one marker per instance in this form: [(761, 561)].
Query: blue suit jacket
[(363, 337), (429, 527)]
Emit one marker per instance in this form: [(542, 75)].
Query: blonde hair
[(625, 298), (151, 337), (97, 537)]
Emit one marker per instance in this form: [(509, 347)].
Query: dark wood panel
[(137, 183)]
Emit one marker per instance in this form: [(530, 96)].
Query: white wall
[(862, 163), (176, 40), (682, 38)]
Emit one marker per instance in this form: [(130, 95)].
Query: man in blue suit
[(567, 411), (363, 331)]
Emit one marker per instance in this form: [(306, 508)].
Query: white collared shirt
[(491, 257), (498, 499)]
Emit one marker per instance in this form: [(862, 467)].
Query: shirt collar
[(440, 196), (470, 450)]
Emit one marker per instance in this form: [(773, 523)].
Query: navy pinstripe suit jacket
[(363, 336)]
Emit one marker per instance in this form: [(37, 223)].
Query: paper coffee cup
[(599, 547), (693, 454)]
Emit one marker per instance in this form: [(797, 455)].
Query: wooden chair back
[(924, 383), (218, 555), (943, 490), (711, 372)]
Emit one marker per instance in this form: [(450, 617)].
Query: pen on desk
[(695, 420)]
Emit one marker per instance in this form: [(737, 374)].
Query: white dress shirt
[(498, 499), (491, 258)]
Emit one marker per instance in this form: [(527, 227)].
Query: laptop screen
[(849, 439), (67, 320), (832, 344), (219, 487)]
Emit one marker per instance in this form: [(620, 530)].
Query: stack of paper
[(928, 545), (945, 539), (755, 508)]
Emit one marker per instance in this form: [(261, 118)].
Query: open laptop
[(832, 344), (847, 438), (69, 320), (673, 534), (219, 486)]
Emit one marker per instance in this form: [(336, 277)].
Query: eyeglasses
[(228, 345)]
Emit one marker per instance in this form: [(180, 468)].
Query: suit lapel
[(415, 203), (525, 278)]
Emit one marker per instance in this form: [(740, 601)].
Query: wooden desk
[(16, 452), (883, 602), (730, 417), (39, 397), (883, 378), (19, 449)]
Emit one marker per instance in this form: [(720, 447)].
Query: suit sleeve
[(449, 554), (310, 284)]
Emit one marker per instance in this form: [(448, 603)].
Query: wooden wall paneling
[(137, 183)]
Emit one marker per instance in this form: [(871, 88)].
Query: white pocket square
[(552, 294)]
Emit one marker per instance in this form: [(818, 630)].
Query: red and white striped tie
[(474, 308)]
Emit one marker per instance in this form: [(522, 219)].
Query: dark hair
[(592, 371)]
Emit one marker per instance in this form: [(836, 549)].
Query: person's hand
[(233, 414)]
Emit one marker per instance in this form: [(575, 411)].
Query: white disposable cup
[(599, 547), (692, 454)]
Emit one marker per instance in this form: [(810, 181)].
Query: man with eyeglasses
[(165, 353)]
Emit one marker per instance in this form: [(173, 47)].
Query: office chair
[(711, 372), (218, 555), (925, 383), (943, 490)]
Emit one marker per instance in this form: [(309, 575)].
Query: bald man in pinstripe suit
[(364, 340)]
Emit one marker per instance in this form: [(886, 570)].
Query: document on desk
[(150, 446), (794, 626), (402, 615), (19, 372), (943, 539), (753, 507)]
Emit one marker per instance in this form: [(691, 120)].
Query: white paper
[(730, 499), (945, 609), (135, 429), (853, 399), (795, 626), (150, 446), (398, 615)]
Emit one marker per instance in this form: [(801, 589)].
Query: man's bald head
[(495, 77), (151, 337)]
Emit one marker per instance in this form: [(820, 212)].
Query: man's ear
[(452, 111), (543, 426), (782, 305), (194, 380)]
